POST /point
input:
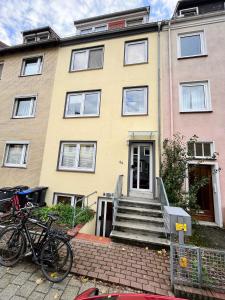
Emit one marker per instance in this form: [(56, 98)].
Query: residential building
[(192, 89), (26, 82), (103, 119)]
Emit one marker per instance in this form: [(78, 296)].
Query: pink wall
[(208, 126)]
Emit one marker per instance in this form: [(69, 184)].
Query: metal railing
[(197, 267), (117, 194), (85, 204), (161, 192)]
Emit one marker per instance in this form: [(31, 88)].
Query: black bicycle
[(50, 248)]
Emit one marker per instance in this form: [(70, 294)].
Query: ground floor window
[(68, 199), (15, 154)]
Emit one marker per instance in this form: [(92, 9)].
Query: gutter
[(159, 98)]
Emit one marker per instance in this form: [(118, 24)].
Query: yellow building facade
[(114, 136)]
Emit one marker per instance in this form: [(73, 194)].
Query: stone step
[(140, 203), (139, 227), (148, 239), (141, 211), (138, 194), (140, 218)]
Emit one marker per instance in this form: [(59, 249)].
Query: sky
[(20, 15)]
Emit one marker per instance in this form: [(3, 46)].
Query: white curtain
[(86, 156), (69, 156), (14, 154), (194, 98), (23, 107)]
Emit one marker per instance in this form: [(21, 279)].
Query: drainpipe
[(170, 81), (159, 97)]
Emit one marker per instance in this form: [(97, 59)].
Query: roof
[(189, 3), (113, 15), (3, 45)]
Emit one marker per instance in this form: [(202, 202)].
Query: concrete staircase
[(139, 220)]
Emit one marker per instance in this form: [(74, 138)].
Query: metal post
[(199, 259)]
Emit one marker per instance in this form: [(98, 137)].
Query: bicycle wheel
[(12, 246), (56, 259)]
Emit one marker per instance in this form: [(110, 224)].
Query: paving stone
[(36, 296), (2, 271), (61, 285), (17, 298), (16, 269), (21, 278), (54, 294), (75, 282), (31, 268), (6, 280), (38, 274), (70, 292), (26, 289), (86, 286), (9, 291), (44, 287)]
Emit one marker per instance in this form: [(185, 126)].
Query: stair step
[(141, 203), (140, 210), (139, 238), (135, 217), (138, 226)]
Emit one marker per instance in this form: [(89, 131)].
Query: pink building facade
[(193, 95)]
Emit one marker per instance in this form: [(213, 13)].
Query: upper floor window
[(97, 28), (86, 30), (82, 104), (191, 44), (133, 22), (194, 97), (77, 156), (1, 69), (200, 149), (16, 154), (136, 52), (32, 66), (188, 12), (135, 101), (87, 59), (24, 107)]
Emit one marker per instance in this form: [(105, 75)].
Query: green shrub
[(66, 214)]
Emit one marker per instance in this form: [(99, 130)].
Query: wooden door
[(205, 194)]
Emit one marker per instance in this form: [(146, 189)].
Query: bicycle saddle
[(53, 216)]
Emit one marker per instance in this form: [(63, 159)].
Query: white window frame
[(212, 149), (207, 93), (133, 19), (187, 10), (1, 63), (92, 29), (40, 62), (24, 155), (32, 106), (188, 34), (77, 154), (135, 43), (100, 25), (73, 198), (87, 51), (145, 88), (82, 115)]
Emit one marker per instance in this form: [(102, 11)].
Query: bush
[(66, 214)]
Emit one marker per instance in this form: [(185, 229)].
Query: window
[(188, 12), (87, 59), (68, 199), (30, 39), (77, 156), (32, 66), (43, 36), (86, 30), (136, 52), (1, 69), (15, 155), (24, 107), (200, 149), (135, 101), (83, 104), (100, 28), (191, 44), (134, 22), (194, 97)]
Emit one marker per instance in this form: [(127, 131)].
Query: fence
[(197, 267)]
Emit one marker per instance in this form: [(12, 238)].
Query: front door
[(205, 194), (141, 167)]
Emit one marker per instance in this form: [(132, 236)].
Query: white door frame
[(138, 167), (216, 189), (99, 212)]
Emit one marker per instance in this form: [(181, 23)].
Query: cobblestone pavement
[(140, 268), (25, 281)]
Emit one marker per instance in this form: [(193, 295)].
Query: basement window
[(69, 199)]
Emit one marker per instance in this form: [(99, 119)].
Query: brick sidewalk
[(136, 267)]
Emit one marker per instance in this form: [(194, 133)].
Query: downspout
[(159, 97), (170, 81)]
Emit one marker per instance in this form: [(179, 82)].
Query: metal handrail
[(161, 192), (83, 205), (117, 194)]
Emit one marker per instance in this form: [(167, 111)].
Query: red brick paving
[(132, 266)]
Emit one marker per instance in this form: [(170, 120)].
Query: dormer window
[(134, 22), (188, 12), (30, 39), (100, 28), (38, 37), (43, 37), (86, 30)]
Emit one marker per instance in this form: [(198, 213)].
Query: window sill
[(194, 56), (196, 112), (30, 75), (203, 159), (16, 118), (17, 167), (75, 171), (135, 115), (135, 64), (80, 117), (84, 70)]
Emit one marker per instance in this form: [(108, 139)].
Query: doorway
[(104, 217)]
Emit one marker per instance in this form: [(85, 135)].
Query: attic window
[(30, 39), (188, 12), (134, 22), (43, 37)]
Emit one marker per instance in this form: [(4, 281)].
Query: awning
[(142, 134)]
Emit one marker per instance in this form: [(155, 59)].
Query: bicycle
[(52, 250)]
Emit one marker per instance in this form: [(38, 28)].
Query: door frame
[(216, 190), (98, 214), (147, 142)]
